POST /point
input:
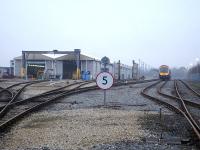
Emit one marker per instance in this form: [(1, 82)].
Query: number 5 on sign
[(104, 80)]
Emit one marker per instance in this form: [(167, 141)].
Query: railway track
[(179, 108), (16, 95), (14, 89), (5, 94), (190, 88), (48, 93), (188, 102), (21, 108), (195, 126), (193, 104), (16, 109)]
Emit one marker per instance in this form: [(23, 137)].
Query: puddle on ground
[(44, 122)]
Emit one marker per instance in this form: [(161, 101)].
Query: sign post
[(104, 97), (104, 81)]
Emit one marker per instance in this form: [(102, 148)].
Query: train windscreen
[(165, 70)]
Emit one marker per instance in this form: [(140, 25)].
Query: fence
[(194, 76)]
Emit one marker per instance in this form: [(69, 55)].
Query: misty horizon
[(156, 32)]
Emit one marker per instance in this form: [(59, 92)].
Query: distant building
[(122, 71), (6, 72), (65, 67)]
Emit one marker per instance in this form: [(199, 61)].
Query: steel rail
[(170, 107), (75, 90), (17, 84), (121, 83), (7, 89), (185, 107), (188, 102), (189, 87), (6, 107), (26, 82), (59, 95), (157, 100), (48, 93), (59, 90)]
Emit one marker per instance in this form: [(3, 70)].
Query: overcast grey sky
[(155, 31)]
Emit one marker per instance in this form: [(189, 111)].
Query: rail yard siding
[(130, 121)]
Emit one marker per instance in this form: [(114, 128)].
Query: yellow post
[(77, 73), (22, 73)]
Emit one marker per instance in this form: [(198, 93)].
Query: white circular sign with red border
[(104, 80)]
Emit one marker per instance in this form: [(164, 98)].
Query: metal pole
[(161, 137), (133, 69), (86, 66), (104, 102), (26, 71), (104, 91), (77, 53), (119, 72), (52, 67), (23, 69), (139, 69)]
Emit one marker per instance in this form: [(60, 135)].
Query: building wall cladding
[(6, 72), (87, 66), (48, 65), (17, 68), (90, 64), (57, 64), (59, 68), (125, 71), (135, 71), (111, 68), (93, 66), (96, 68)]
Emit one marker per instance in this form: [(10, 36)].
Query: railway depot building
[(64, 65)]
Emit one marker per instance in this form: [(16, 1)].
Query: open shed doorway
[(35, 70), (69, 69)]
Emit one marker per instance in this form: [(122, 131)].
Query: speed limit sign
[(104, 80)]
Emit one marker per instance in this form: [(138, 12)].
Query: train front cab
[(164, 77)]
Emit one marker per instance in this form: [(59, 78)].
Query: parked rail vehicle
[(164, 72)]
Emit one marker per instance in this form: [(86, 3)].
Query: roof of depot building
[(73, 57), (63, 57), (35, 57)]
